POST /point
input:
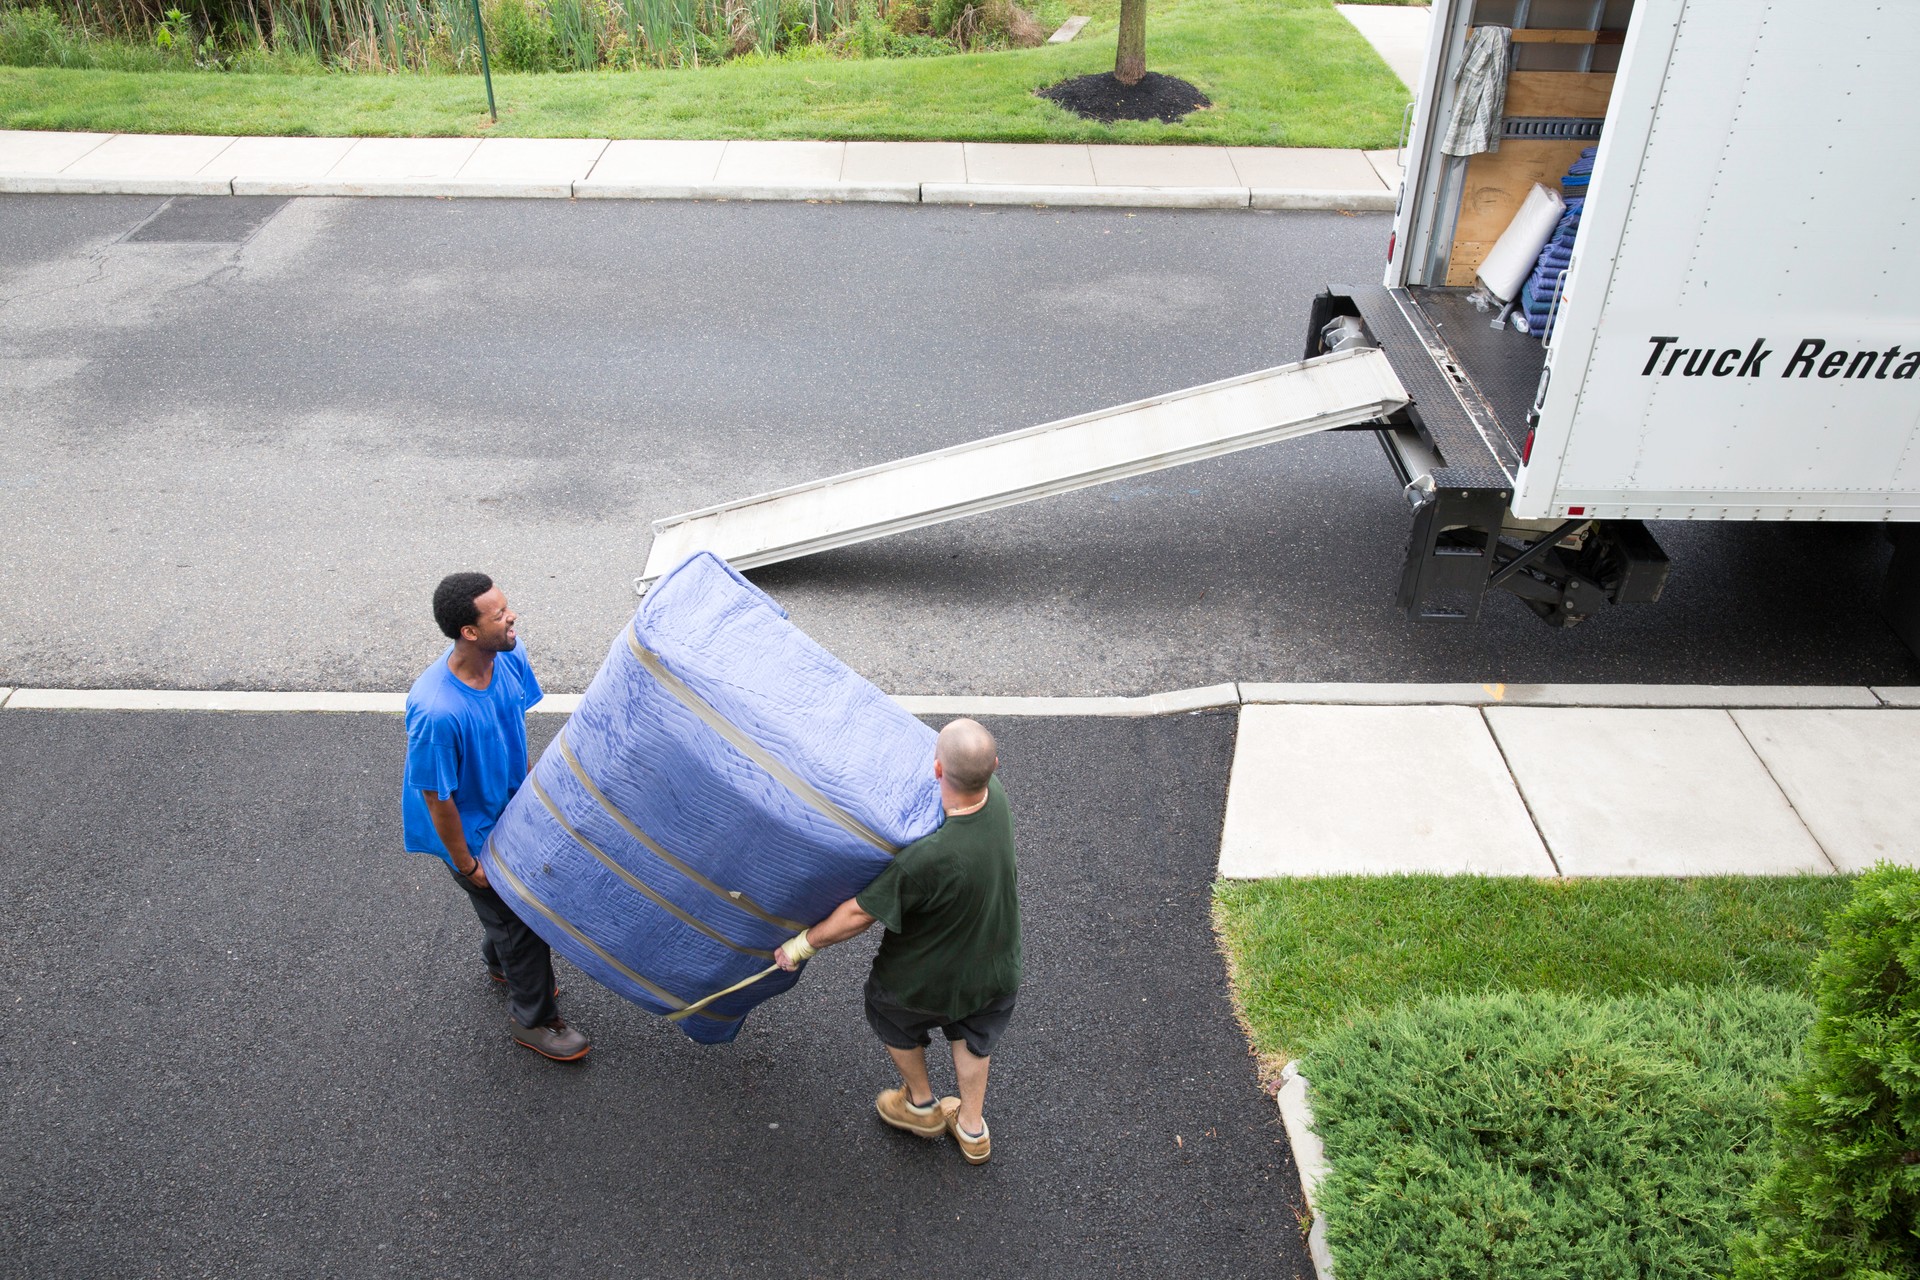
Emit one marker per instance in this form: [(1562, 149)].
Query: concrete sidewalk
[(564, 168), (1398, 33), (1726, 787)]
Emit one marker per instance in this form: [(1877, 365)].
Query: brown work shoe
[(555, 1040), (978, 1149), (896, 1110)]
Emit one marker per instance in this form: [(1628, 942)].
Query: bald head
[(967, 755)]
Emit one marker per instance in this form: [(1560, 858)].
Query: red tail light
[(1526, 450), (1392, 237)]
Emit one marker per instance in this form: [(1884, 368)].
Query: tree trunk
[(1131, 62)]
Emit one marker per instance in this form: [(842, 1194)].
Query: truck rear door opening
[(1731, 336)]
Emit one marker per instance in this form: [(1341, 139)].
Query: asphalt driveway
[(245, 1035)]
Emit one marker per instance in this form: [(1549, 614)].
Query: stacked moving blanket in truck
[(724, 783), (1542, 289)]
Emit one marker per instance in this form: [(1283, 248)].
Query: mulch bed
[(1103, 98)]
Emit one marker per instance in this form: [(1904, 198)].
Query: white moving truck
[(1737, 336)]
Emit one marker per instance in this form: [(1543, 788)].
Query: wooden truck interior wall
[(1563, 57)]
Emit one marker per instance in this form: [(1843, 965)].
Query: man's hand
[(795, 951), (479, 875)]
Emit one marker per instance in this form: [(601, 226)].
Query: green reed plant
[(421, 35), (577, 28), (765, 16)]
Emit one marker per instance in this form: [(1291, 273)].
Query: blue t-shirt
[(468, 743)]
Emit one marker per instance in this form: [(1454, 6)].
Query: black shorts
[(902, 1028)]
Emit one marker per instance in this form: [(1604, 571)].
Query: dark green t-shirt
[(951, 906)]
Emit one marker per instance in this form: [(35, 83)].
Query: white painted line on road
[(1172, 702), (1897, 696), (199, 700), (5, 693), (1568, 695), (1157, 704), (1079, 196)]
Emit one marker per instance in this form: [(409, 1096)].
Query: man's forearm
[(446, 820), (847, 920)]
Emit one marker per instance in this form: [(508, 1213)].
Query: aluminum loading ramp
[(1338, 390)]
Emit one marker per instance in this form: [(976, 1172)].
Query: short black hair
[(453, 601)]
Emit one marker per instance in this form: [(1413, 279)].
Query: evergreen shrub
[(1844, 1198), (1548, 1137)]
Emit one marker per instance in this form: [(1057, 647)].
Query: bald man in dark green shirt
[(951, 954)]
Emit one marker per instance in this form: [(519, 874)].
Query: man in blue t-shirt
[(466, 756)]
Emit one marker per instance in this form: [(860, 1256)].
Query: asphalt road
[(243, 463), (244, 1035)]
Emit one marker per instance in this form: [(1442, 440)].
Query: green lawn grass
[(1279, 73), (1308, 956), (1551, 1137)]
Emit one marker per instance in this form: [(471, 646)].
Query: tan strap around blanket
[(635, 882), (711, 717), (700, 1004), (732, 896), (659, 993)]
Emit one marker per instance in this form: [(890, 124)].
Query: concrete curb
[(1310, 1158), (199, 700), (1352, 201), (938, 193), (256, 700), (848, 192), (1085, 196), (53, 184), (1715, 697), (449, 188)]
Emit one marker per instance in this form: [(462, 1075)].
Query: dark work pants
[(517, 951)]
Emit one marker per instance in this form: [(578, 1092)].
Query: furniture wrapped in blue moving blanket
[(724, 783)]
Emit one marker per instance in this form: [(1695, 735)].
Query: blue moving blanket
[(1542, 288), (724, 783)]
